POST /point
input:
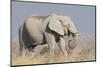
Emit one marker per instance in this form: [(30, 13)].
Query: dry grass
[(85, 51)]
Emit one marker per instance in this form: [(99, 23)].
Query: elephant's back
[(33, 23), (33, 27)]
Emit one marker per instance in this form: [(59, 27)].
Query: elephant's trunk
[(73, 41)]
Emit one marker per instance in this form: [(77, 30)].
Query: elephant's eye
[(62, 23)]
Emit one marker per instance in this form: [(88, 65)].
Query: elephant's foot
[(66, 55), (70, 51), (21, 53), (24, 53), (51, 60)]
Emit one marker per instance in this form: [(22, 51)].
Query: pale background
[(5, 33), (82, 16)]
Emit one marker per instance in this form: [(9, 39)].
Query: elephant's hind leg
[(31, 48)]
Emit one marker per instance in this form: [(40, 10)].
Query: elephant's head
[(62, 24), (68, 25), (57, 25)]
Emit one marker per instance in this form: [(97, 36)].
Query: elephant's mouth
[(65, 34)]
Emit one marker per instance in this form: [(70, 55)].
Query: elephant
[(51, 30)]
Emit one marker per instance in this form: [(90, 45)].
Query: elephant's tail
[(21, 42)]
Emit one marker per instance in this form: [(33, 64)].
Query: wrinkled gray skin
[(51, 30)]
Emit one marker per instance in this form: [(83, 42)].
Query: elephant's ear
[(55, 25)]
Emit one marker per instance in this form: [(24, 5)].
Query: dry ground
[(85, 51)]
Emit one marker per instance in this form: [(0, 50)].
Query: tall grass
[(85, 51)]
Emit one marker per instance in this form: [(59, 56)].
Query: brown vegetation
[(85, 51)]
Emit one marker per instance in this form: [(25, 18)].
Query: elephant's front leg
[(62, 46), (51, 44)]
